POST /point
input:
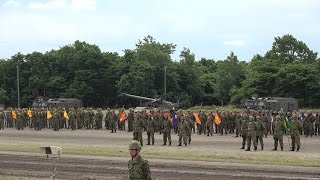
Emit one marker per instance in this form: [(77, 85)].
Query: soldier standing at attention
[(279, 129), (139, 126), (166, 131), (138, 168), (260, 131), (183, 130), (1, 120), (98, 119), (190, 123), (113, 121), (130, 120), (150, 130), (296, 127), (210, 124), (252, 134), (244, 130)]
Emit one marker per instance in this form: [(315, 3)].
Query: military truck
[(271, 104)]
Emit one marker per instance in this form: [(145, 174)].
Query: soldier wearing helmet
[(138, 168)]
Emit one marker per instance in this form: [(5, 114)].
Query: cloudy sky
[(210, 28)]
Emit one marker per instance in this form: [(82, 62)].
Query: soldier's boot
[(115, 131), (255, 148), (170, 144), (185, 144), (148, 143), (281, 148), (261, 147), (248, 149), (111, 131), (164, 144), (298, 147), (242, 147), (152, 142), (275, 149), (237, 135), (189, 141), (179, 144), (292, 149)]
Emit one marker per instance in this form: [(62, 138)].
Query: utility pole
[(165, 82), (18, 86)]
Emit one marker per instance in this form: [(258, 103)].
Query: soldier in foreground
[(296, 127), (279, 129), (138, 168)]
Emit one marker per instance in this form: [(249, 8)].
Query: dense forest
[(81, 70)]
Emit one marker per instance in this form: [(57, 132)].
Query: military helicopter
[(159, 103)]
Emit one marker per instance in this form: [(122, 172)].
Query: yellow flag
[(123, 116), (29, 113), (14, 115), (65, 115), (197, 118), (49, 115), (217, 119)]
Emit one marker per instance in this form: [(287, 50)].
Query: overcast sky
[(210, 28)]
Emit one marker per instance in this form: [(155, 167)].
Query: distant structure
[(271, 104), (39, 103), (64, 103), (57, 103)]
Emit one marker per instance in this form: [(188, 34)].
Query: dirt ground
[(22, 162)]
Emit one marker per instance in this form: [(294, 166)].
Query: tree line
[(82, 70)]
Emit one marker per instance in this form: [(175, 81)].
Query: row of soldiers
[(231, 122), (253, 128)]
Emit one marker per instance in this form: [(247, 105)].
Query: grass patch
[(245, 157)]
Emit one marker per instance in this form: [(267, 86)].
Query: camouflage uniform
[(150, 130), (296, 126), (190, 123), (1, 120), (166, 131), (279, 129), (309, 124), (107, 119), (55, 120), (252, 134), (317, 125), (139, 126), (9, 119), (260, 131), (72, 119), (130, 120), (98, 119), (183, 130), (138, 168), (238, 125), (113, 122), (244, 130), (19, 120), (210, 125)]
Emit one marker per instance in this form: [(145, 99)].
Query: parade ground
[(99, 154)]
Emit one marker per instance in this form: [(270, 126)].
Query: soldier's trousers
[(238, 131), (1, 124), (251, 137), (259, 138), (183, 136), (150, 134), (204, 128), (189, 136), (210, 130), (166, 136), (317, 129), (278, 139), (135, 135), (140, 139), (130, 125), (113, 127), (295, 140), (244, 139), (9, 123), (199, 128)]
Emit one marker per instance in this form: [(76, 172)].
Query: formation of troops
[(251, 125)]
